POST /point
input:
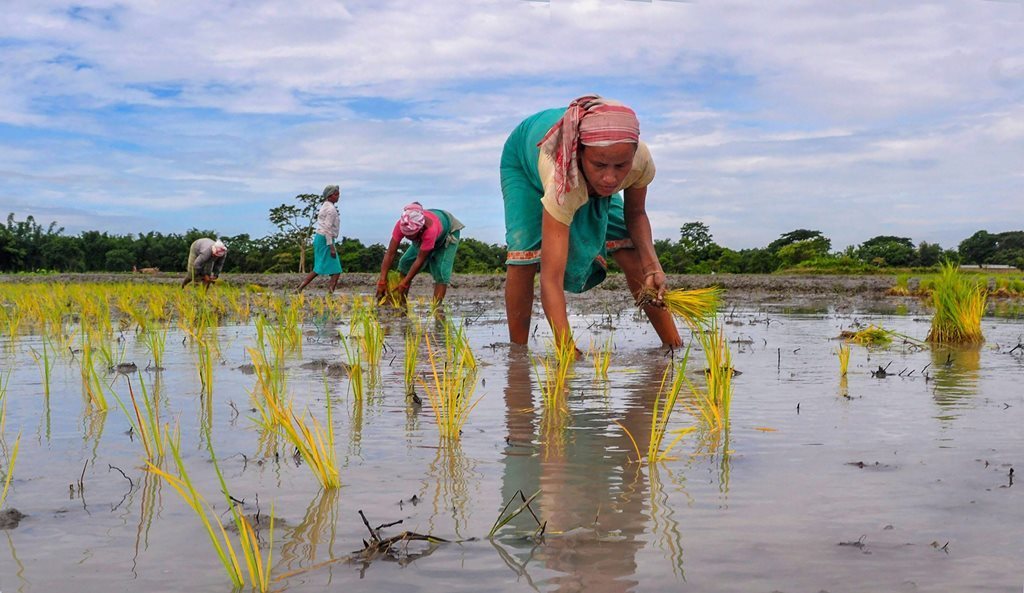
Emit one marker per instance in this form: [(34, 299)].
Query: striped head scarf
[(412, 219), (592, 121)]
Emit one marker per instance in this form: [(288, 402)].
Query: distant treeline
[(26, 246)]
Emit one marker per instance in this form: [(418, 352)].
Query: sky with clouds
[(855, 118)]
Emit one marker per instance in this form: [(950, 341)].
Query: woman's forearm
[(638, 225), (552, 299)]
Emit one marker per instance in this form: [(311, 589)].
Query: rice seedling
[(12, 318), (661, 412), (457, 344), (844, 359), (557, 368), (602, 358), (271, 384), (4, 378), (92, 384), (313, 441), (203, 338), (11, 460), (959, 307), (450, 390), (355, 367), (370, 337), (145, 425), (413, 338), (695, 306), (155, 341), (259, 571), (712, 405), (45, 363)]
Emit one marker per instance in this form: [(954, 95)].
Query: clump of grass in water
[(959, 306), (844, 359), (695, 306), (450, 389), (258, 569), (902, 286)]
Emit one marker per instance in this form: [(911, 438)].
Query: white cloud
[(857, 119)]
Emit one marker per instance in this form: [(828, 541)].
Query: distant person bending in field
[(325, 253), (561, 171), (206, 260), (435, 238)]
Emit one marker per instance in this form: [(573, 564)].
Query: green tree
[(978, 248), (890, 250), (928, 254), (794, 236), (296, 223), (794, 253)]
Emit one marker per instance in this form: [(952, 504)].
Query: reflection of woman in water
[(589, 481)]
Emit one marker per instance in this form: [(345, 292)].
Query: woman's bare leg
[(519, 301), (660, 318), (439, 291)]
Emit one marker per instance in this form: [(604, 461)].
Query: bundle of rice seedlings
[(696, 307), (871, 336), (959, 306), (391, 296)]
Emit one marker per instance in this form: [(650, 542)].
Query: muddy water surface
[(895, 483)]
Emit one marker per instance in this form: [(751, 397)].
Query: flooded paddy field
[(893, 481)]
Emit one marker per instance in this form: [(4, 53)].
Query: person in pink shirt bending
[(435, 238)]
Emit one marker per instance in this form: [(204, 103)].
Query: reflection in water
[(20, 573), (664, 523), (318, 527), (954, 375), (93, 421), (448, 474), (593, 493), (149, 502)]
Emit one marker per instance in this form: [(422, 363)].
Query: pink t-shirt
[(429, 237)]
